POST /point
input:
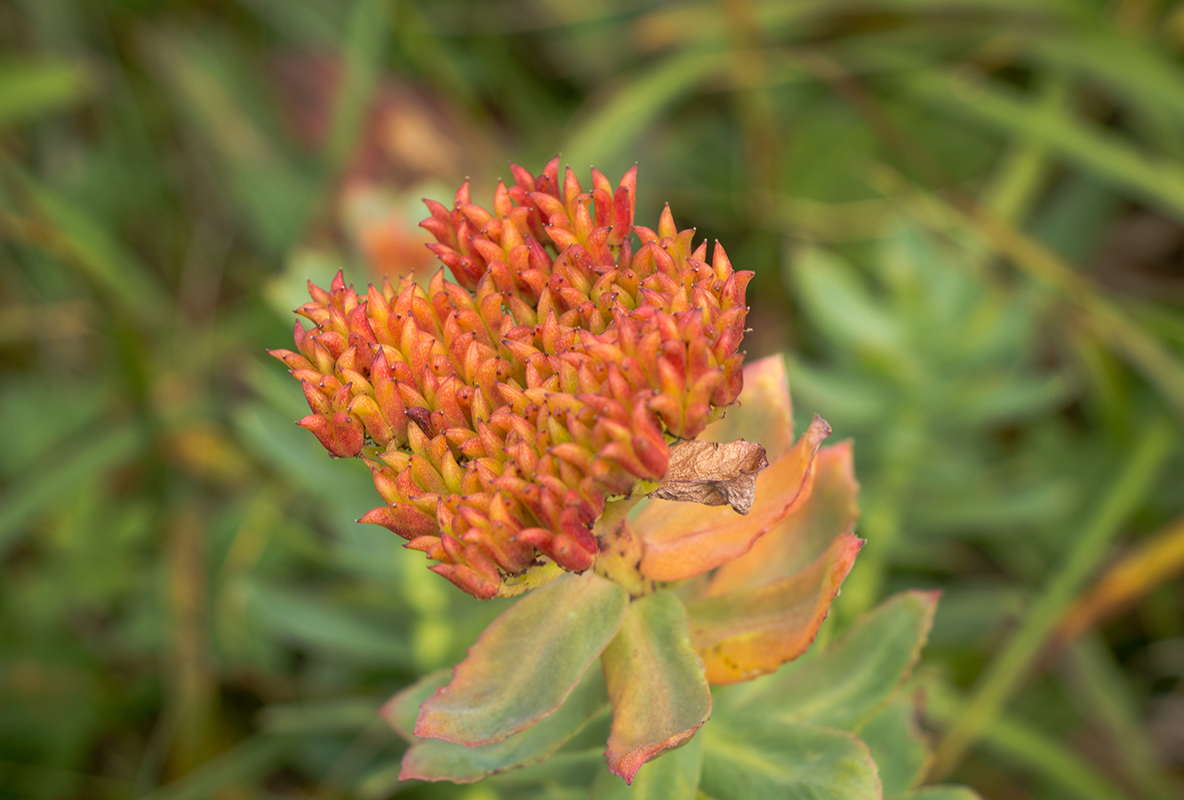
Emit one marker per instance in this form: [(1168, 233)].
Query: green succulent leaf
[(436, 760), (763, 757), (852, 678), (402, 709), (899, 747), (527, 661), (675, 775), (838, 300), (656, 684)]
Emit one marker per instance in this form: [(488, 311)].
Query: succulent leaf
[(853, 677), (656, 685), (768, 758), (751, 632), (526, 663), (798, 540), (675, 774), (401, 710), (436, 760), (899, 747)]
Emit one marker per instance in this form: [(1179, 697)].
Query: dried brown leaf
[(713, 474)]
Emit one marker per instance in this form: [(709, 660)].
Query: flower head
[(499, 412)]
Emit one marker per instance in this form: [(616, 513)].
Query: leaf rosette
[(514, 417)]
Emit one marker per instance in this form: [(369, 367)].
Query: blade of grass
[(1015, 185), (1134, 68), (247, 762), (1107, 320), (1158, 558), (612, 126), (32, 89), (300, 21), (44, 488), (1003, 675), (54, 225), (365, 36), (1157, 180), (1105, 689), (1025, 746), (220, 105)]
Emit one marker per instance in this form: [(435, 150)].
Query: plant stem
[(620, 551)]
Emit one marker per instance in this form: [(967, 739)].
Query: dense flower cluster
[(504, 408)]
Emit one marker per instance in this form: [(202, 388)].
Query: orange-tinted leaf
[(764, 414), (526, 662), (683, 540), (852, 678), (831, 509), (656, 686), (748, 633)]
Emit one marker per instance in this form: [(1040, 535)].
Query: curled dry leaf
[(831, 509), (682, 541), (713, 474)]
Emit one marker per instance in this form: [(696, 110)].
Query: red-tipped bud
[(508, 404)]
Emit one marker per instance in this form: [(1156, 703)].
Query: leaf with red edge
[(655, 683), (745, 634), (831, 509), (764, 413), (683, 540), (403, 707), (675, 774), (437, 760), (526, 662), (853, 677)]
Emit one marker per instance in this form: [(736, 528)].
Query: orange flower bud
[(554, 372)]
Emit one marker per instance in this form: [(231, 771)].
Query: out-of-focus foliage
[(965, 217)]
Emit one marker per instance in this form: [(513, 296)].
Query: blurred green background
[(966, 219)]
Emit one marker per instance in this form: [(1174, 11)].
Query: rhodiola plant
[(575, 366)]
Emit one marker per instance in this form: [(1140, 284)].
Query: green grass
[(967, 223)]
